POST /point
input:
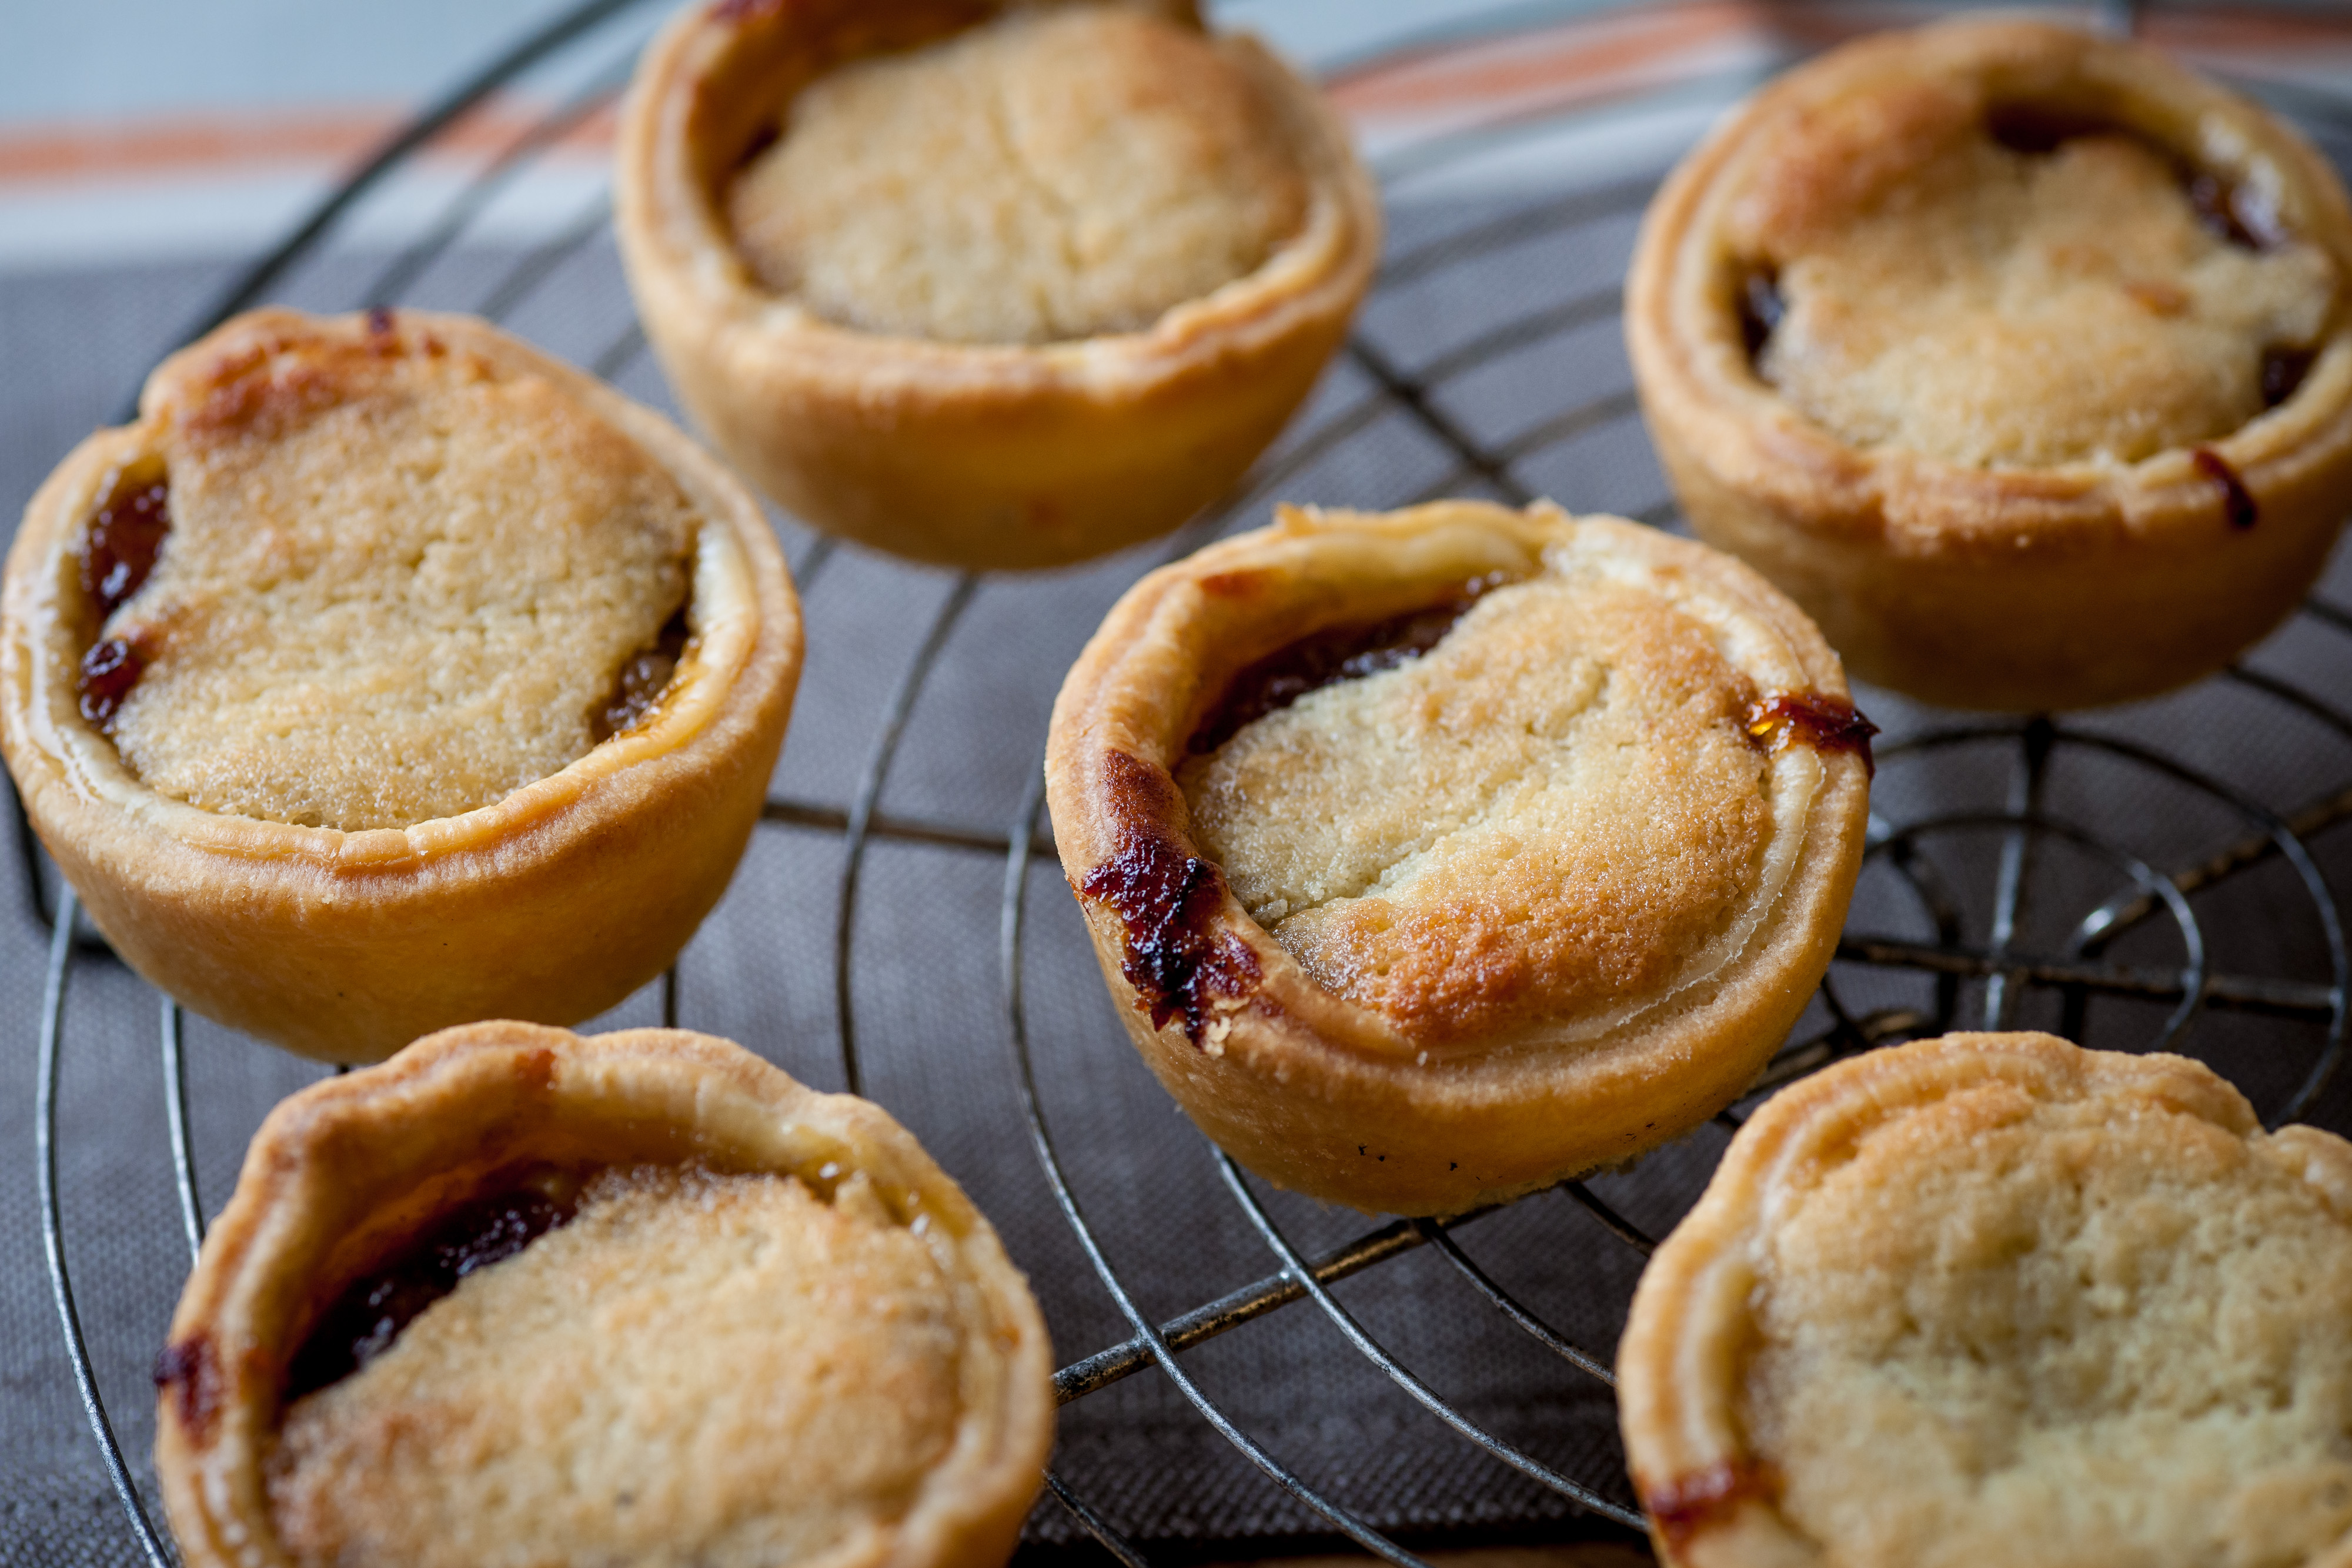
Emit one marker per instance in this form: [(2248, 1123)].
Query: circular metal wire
[(2005, 968)]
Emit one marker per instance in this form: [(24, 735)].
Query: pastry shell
[(1713, 1500), (341, 1174), (983, 456), (1335, 1098), (553, 903), (2008, 588)]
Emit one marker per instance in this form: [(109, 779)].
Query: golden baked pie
[(518, 1296), (1993, 1298), (987, 284), (2019, 357), (386, 674), (1435, 857)]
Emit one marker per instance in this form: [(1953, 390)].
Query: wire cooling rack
[(2035, 897)]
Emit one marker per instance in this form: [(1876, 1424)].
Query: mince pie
[(386, 674), (520, 1297), (987, 284), (1993, 1298), (1435, 857), (2019, 357)]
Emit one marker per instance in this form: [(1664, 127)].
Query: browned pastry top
[(400, 581), (2012, 283), (1556, 808), (1997, 1299), (769, 1331), (1040, 177)]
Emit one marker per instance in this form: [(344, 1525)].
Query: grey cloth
[(927, 987)]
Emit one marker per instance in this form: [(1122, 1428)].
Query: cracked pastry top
[(637, 1297), (2019, 356), (1437, 855), (1994, 1298), (348, 655), (995, 285)]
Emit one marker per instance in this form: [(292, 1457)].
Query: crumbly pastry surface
[(2007, 1301), (2020, 356), (632, 1385), (400, 581), (772, 1331), (1551, 811), (1992, 305), (1043, 176)]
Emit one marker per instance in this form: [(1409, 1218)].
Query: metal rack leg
[(53, 1242)]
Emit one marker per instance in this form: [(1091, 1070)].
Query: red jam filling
[(118, 552), (365, 1318), (639, 688), (1760, 309), (2237, 502), (1688, 1504), (1809, 718), (1328, 657), (1167, 901)]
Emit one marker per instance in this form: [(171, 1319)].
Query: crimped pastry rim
[(1293, 1040), (672, 228), (1679, 1362), (749, 640), (1696, 375), (510, 1090)]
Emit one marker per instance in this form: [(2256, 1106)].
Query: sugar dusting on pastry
[(399, 584), (1546, 815), (1943, 290), (1040, 177), (2065, 1317), (631, 1387)]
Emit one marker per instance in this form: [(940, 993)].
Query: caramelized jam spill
[(125, 537), (2037, 129), (1760, 309), (118, 551), (2233, 209), (2282, 372), (1688, 1504), (643, 679), (364, 1321), (108, 670), (2237, 501), (1167, 901), (1823, 723), (190, 1369), (1328, 657)]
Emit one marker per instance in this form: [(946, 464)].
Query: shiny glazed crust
[(985, 456), (1712, 1498), (1332, 1098), (345, 1171), (552, 903), (2021, 588)]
